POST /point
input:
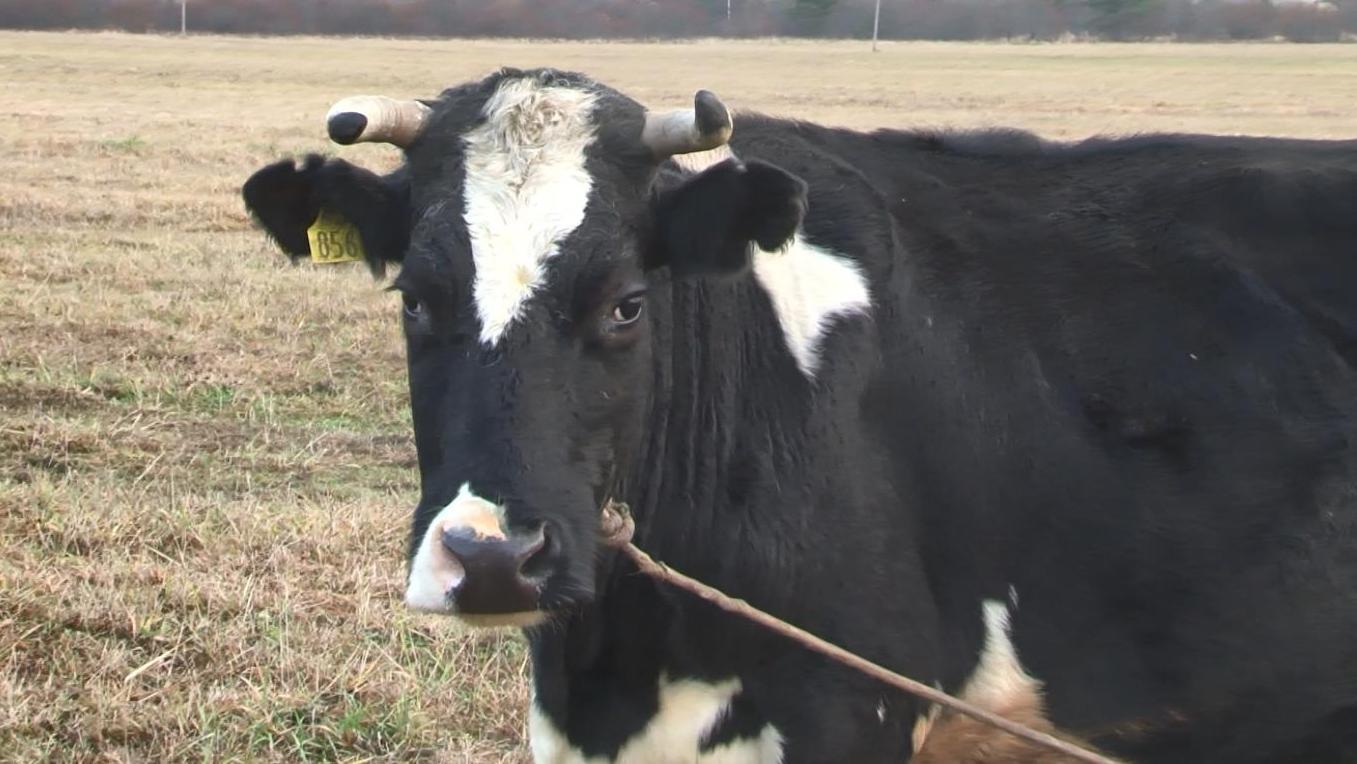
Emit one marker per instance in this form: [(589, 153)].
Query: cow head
[(539, 225)]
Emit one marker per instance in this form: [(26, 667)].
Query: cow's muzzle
[(470, 565)]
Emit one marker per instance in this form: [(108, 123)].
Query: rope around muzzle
[(616, 527)]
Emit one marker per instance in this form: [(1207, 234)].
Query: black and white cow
[(981, 408)]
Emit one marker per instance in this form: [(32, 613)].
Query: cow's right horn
[(703, 127), (376, 119)]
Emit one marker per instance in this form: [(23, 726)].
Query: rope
[(617, 529)]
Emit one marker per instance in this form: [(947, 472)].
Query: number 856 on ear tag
[(334, 239)]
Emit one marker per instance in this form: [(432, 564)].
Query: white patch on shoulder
[(998, 677), (434, 571), (526, 189), (688, 710), (810, 286), (547, 743), (764, 749)]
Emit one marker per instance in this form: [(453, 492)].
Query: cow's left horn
[(703, 127), (376, 119)]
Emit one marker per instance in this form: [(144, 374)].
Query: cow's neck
[(712, 432), (719, 489), (599, 675), (725, 428)]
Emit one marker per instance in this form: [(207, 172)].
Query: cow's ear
[(707, 224), (286, 197)]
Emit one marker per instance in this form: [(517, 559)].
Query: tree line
[(1326, 20)]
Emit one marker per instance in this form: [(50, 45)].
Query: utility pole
[(876, 24), (183, 17), (727, 11)]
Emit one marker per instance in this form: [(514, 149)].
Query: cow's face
[(538, 230)]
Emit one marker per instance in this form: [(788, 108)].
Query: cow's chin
[(521, 620), (548, 605), (503, 620)]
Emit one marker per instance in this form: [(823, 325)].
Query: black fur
[(1116, 376), (707, 223)]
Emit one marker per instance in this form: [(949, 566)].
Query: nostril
[(491, 569), (536, 556), (449, 563)]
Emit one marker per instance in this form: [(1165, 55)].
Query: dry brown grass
[(206, 458)]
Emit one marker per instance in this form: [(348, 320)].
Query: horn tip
[(712, 115), (346, 127)]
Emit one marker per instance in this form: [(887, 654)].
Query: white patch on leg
[(998, 677), (810, 286), (526, 189), (688, 710), (998, 684), (434, 571)]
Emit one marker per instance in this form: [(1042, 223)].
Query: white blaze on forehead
[(435, 571), (688, 711), (526, 189)]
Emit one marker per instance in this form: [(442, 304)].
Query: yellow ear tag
[(334, 239)]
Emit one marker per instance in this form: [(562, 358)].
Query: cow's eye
[(628, 310), (413, 308)]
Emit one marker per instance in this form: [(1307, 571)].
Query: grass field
[(205, 460)]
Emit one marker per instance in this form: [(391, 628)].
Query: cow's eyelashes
[(413, 308)]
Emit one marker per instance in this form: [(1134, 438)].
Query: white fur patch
[(549, 744), (526, 189), (998, 677), (810, 286), (434, 571), (764, 749), (688, 710)]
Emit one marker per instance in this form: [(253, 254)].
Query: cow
[(1065, 420)]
